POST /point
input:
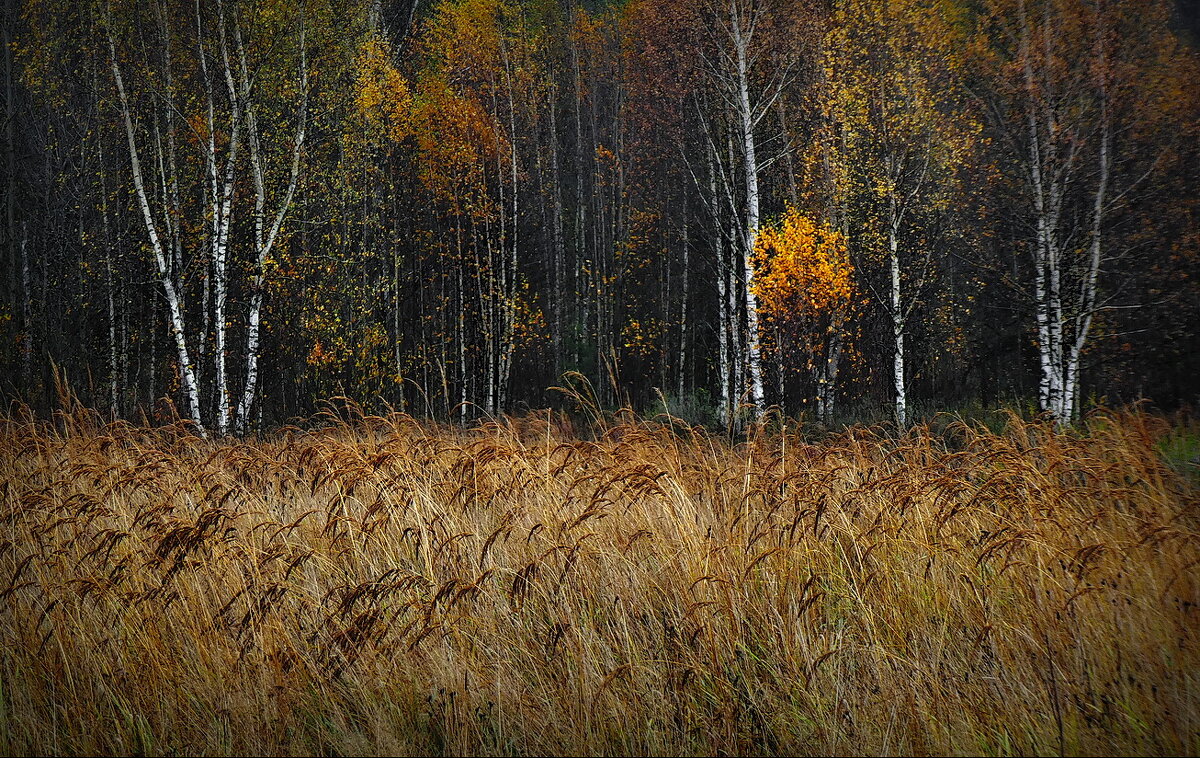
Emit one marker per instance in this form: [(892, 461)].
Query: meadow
[(384, 585)]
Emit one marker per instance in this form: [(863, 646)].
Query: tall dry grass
[(389, 586)]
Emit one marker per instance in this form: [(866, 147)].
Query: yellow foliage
[(457, 142), (804, 283), (802, 269), (642, 338), (466, 39), (529, 320), (382, 94)]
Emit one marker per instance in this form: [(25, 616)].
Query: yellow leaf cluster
[(382, 94), (529, 320), (642, 338), (457, 142), (802, 270)]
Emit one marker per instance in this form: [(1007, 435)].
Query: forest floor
[(389, 586)]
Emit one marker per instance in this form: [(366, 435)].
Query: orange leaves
[(199, 126), (802, 269), (804, 283), (465, 102), (458, 141), (317, 357)]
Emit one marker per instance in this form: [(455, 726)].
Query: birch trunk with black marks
[(1089, 282), (175, 312), (683, 305), (897, 313), (741, 37), (221, 180), (1063, 316), (265, 235)]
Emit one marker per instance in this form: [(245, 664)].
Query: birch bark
[(722, 270), (1048, 381), (175, 312), (741, 41), (1089, 283), (222, 215), (897, 312), (266, 236)]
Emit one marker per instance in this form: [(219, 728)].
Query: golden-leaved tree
[(804, 283), (475, 114), (895, 71)]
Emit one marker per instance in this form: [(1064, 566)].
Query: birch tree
[(236, 84), (750, 74), (177, 322), (743, 20), (1070, 80), (249, 207), (222, 176), (896, 69), (266, 227)]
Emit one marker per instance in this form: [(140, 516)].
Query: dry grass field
[(391, 586)]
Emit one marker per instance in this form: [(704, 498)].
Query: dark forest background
[(849, 209)]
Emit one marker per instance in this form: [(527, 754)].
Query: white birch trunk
[(741, 41), (222, 211), (683, 306), (1054, 305), (724, 409), (827, 375), (462, 353), (265, 237), (175, 312), (897, 309), (1089, 283), (1048, 395)]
